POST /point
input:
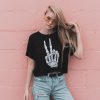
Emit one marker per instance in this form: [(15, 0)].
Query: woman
[(48, 52)]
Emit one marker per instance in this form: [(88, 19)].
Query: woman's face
[(50, 20)]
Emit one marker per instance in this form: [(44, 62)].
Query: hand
[(74, 23), (26, 95), (76, 29)]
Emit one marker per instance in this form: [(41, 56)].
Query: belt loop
[(57, 74), (48, 74)]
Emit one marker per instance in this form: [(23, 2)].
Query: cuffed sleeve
[(30, 52), (72, 51)]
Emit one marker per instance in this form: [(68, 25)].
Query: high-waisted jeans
[(44, 86)]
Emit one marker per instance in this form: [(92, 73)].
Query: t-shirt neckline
[(47, 34)]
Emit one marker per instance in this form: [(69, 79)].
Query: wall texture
[(19, 18)]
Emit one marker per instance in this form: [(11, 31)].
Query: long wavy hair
[(66, 31)]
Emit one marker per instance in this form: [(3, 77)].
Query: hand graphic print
[(52, 55)]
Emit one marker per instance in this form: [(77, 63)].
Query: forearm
[(28, 79), (79, 50), (29, 75), (79, 41)]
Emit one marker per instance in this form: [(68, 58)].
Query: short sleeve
[(72, 51), (30, 48)]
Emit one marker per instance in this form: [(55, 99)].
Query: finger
[(46, 48), (24, 97), (57, 56), (50, 46), (54, 52), (27, 97)]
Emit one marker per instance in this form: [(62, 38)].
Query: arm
[(31, 65), (79, 51)]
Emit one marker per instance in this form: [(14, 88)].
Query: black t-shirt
[(46, 51)]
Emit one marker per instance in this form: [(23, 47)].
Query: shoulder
[(33, 35)]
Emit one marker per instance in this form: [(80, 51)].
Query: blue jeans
[(44, 86)]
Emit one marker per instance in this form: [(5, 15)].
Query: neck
[(47, 31)]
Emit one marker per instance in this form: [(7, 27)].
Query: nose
[(50, 22)]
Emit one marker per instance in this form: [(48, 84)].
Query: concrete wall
[(20, 18)]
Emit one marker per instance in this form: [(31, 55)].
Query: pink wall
[(19, 18)]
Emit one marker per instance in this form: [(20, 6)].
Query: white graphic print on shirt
[(52, 56)]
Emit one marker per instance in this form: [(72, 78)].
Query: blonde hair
[(66, 31)]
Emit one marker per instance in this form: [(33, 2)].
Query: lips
[(50, 25)]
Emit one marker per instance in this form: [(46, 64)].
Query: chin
[(48, 27)]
